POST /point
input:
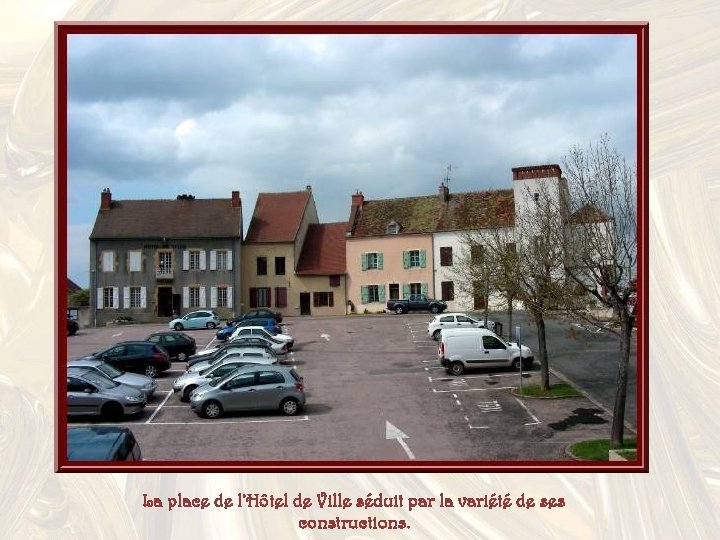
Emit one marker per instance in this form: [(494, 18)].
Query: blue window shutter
[(363, 261), (380, 261), (406, 290), (423, 258), (364, 296), (406, 259), (423, 288), (381, 293)]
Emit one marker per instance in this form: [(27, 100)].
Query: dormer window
[(393, 228)]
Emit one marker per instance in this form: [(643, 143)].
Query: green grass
[(597, 450), (559, 390)]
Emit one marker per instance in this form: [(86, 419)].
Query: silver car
[(89, 393), (251, 387), (190, 380), (258, 356), (147, 385)]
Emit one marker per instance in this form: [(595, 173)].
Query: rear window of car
[(295, 375)]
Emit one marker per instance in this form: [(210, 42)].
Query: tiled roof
[(277, 216), (323, 252), (72, 286), (474, 210), (174, 218), (589, 214)]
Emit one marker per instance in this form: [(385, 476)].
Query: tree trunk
[(510, 317), (618, 422), (542, 352)]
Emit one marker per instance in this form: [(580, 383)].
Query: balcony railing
[(164, 273)]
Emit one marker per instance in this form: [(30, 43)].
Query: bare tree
[(601, 247)]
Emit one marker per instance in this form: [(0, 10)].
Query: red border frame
[(639, 29)]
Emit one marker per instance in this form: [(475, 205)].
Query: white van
[(463, 348)]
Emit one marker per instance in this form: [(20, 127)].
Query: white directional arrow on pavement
[(326, 337), (391, 432)]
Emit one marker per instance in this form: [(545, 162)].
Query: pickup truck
[(416, 302)]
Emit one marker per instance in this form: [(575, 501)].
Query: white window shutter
[(213, 297), (213, 260), (126, 297), (143, 297), (229, 260), (99, 300), (186, 297), (186, 260), (203, 260), (108, 262), (202, 297), (229, 296), (116, 297)]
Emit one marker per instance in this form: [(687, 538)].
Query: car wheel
[(151, 370), (72, 331), (290, 406), (434, 309), (181, 356), (212, 409), (516, 364), (188, 390), (436, 335), (456, 368), (112, 410), (399, 310), (178, 326), (210, 325)]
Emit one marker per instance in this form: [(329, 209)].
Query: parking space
[(361, 374)]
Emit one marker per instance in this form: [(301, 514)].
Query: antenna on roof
[(447, 175)]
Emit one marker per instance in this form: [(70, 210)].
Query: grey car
[(147, 385), (258, 356), (190, 380), (89, 393), (251, 387)]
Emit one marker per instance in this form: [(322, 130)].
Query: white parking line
[(472, 390), (170, 393), (208, 422), (118, 334), (531, 414)]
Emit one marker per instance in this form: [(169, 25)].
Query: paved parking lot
[(375, 392)]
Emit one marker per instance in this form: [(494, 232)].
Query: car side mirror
[(89, 390)]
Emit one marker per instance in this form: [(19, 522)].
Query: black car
[(134, 356), (177, 345), (259, 313), (72, 327), (102, 444)]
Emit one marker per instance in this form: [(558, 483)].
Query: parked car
[(136, 356), (454, 320), (89, 393), (270, 324), (260, 331), (251, 388), (178, 345), (190, 380), (147, 385), (72, 327), (257, 355), (416, 302), (102, 443), (259, 313), (195, 319), (478, 347), (277, 346), (213, 354)]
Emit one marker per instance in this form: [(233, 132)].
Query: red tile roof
[(277, 216), (323, 252), (589, 214), (474, 210), (173, 218)]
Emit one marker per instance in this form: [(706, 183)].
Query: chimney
[(308, 188), (105, 199), (235, 199), (358, 199), (444, 192), (538, 171)]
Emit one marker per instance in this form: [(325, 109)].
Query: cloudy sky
[(157, 116)]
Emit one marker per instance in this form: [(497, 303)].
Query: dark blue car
[(269, 324)]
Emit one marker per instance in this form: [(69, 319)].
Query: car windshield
[(102, 382), (109, 370)]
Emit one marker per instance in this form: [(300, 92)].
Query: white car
[(262, 331), (277, 346), (454, 320)]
